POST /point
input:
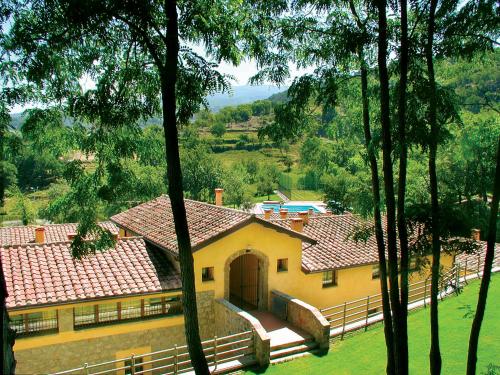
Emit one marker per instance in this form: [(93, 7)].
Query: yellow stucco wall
[(69, 335), (353, 282)]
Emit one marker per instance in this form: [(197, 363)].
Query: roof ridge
[(50, 225), (219, 207), (32, 244)]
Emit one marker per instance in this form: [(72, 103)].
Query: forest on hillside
[(49, 159)]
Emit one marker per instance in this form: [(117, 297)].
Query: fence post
[(215, 352), (367, 308), (425, 293), (175, 359), (440, 288), (132, 364), (478, 266), (85, 368), (343, 321)]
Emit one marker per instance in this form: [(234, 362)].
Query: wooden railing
[(361, 313), (218, 351)]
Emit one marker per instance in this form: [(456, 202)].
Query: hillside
[(241, 95)]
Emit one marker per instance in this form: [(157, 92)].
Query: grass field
[(229, 158), (37, 200), (364, 352), (307, 195)]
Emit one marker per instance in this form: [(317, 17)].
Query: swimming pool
[(291, 208)]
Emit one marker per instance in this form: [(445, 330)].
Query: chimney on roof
[(475, 234), (304, 215), (283, 213), (297, 224), (40, 235), (71, 236), (328, 212), (267, 213), (311, 211), (218, 196)]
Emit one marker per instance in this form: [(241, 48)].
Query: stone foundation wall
[(72, 354), (64, 356)]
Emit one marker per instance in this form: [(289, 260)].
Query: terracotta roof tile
[(47, 273), (333, 248), (154, 221), (10, 236)]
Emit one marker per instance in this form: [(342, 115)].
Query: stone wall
[(230, 319), (64, 356), (306, 317), (206, 315), (72, 354)]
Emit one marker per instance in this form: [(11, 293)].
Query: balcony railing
[(118, 312), (26, 325)]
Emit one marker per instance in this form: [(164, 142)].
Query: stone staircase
[(288, 350)]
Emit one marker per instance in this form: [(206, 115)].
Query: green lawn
[(364, 352), (307, 195)]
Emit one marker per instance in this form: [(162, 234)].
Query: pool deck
[(319, 205)]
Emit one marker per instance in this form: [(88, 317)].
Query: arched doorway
[(244, 282)]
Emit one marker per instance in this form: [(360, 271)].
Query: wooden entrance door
[(244, 282)]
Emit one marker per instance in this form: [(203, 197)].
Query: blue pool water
[(276, 207)]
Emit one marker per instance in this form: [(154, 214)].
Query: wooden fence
[(361, 313), (218, 351)]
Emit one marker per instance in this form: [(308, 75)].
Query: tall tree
[(403, 161), (452, 29), (435, 352), (387, 148), (377, 216), (132, 51), (485, 282)]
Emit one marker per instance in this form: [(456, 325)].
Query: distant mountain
[(242, 95), (279, 97), (239, 95), (16, 120)]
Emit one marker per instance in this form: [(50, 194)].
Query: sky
[(242, 74)]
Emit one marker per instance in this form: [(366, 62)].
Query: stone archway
[(245, 279)]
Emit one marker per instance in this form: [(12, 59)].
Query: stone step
[(292, 343), (293, 350)]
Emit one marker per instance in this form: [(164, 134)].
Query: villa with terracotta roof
[(128, 299)]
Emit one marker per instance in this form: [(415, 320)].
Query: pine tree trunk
[(389, 181), (435, 352), (379, 233), (174, 175), (488, 263), (403, 158)]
